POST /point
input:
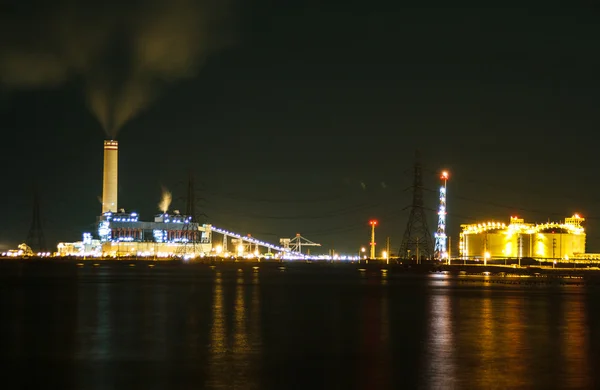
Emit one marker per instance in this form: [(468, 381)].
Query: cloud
[(124, 53)]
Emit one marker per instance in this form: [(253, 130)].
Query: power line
[(244, 197), (330, 214), (494, 186), (507, 206)]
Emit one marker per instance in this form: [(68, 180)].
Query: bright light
[(240, 249), (384, 254), (363, 249), (441, 240), (219, 249), (372, 222), (487, 255)]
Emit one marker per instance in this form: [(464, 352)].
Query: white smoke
[(165, 201), (124, 53)]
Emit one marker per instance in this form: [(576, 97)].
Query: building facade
[(124, 235)]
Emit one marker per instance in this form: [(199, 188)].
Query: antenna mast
[(441, 239)]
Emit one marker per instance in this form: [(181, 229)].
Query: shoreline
[(580, 270)]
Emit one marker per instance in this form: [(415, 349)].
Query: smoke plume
[(123, 53), (165, 201)]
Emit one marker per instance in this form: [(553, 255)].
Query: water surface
[(302, 327)]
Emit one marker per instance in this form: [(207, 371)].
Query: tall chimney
[(110, 179)]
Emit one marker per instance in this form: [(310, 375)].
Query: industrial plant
[(518, 239), (172, 234), (122, 234)]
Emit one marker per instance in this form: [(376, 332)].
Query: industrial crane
[(295, 244)]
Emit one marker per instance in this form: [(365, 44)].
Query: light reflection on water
[(489, 339), (440, 365), (575, 343), (255, 325), (373, 371), (506, 338), (255, 329), (232, 361), (94, 325), (217, 349)]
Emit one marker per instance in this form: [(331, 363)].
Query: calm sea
[(122, 326)]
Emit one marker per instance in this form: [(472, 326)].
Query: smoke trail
[(32, 69), (133, 97), (98, 101), (123, 53), (165, 201)]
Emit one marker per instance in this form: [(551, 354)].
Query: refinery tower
[(110, 180)]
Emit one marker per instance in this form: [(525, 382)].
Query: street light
[(486, 256), (363, 250)]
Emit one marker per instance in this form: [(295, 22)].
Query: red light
[(373, 222)]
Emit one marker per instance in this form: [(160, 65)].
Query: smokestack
[(110, 179)]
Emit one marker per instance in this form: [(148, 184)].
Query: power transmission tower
[(35, 237), (190, 229), (190, 205), (416, 238)]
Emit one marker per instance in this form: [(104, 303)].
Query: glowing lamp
[(372, 222), (445, 175)]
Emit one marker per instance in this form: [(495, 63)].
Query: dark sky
[(303, 116)]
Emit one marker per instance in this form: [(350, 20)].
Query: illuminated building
[(552, 240), (87, 247), (123, 234)]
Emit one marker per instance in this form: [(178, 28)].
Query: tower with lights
[(373, 223), (441, 239)]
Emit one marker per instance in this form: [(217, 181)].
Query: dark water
[(305, 327)]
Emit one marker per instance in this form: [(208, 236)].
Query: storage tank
[(559, 245)]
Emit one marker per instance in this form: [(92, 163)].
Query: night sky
[(299, 116)]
